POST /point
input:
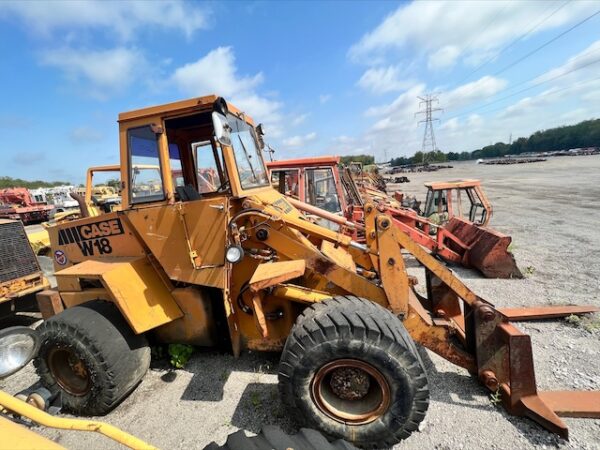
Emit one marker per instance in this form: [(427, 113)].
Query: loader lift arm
[(451, 321)]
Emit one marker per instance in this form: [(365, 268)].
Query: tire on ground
[(351, 328), (114, 358)]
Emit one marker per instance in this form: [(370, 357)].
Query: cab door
[(184, 229)]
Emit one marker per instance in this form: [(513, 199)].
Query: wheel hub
[(350, 383), (350, 391), (69, 371)]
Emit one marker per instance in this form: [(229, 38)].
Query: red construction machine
[(19, 204), (452, 225)]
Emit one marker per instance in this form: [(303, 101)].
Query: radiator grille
[(16, 256)]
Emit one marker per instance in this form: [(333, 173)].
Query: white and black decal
[(91, 238)]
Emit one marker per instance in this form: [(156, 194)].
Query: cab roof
[(196, 104), (435, 185), (304, 162)]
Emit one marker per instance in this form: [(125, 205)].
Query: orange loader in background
[(453, 224)]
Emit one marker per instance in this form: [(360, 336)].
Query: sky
[(323, 77)]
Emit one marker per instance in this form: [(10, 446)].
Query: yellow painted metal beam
[(23, 409)]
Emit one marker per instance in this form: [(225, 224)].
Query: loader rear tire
[(90, 355), (350, 369)]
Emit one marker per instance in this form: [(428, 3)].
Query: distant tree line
[(9, 182), (581, 135), (420, 158), (364, 159)]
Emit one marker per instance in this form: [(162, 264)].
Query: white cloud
[(299, 119), (324, 98), (214, 73), (474, 120), (584, 61), (383, 79), (451, 124), (406, 103), (471, 92), (444, 57), (449, 30), (124, 18), (100, 72), (217, 73), (299, 141)]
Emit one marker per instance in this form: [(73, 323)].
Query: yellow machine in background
[(230, 261), (20, 272)]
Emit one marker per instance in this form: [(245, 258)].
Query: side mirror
[(18, 346), (222, 128)]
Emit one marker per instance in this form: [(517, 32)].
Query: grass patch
[(590, 323), (255, 399), (180, 354)]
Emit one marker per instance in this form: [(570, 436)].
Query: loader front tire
[(350, 369), (90, 355)]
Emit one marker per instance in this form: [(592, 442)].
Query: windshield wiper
[(248, 159)]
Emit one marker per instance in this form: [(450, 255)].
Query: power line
[(537, 49), (528, 88), (492, 19), (566, 88), (521, 37)]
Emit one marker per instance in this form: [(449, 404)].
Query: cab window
[(207, 161), (145, 179), (321, 191), (286, 182), (175, 165)]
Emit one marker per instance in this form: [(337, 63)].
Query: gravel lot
[(552, 210)]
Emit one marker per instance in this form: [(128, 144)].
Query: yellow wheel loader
[(233, 262)]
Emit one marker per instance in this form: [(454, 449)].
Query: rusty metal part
[(546, 312), (573, 403), (353, 402), (487, 249), (69, 371)]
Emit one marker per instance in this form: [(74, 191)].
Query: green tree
[(9, 182), (364, 159)]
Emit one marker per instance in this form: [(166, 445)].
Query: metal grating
[(16, 256)]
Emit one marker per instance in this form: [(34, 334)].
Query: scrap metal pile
[(202, 250)]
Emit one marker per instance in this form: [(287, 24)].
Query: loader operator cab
[(463, 199), (197, 166)]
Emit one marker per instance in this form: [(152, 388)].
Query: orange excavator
[(453, 224)]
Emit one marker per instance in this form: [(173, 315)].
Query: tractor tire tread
[(365, 323), (98, 333)]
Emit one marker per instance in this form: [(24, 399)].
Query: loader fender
[(133, 284)]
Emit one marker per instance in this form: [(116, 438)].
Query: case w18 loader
[(453, 224), (234, 263)]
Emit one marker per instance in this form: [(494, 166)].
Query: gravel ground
[(552, 210)]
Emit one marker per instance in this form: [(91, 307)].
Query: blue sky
[(325, 77)]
